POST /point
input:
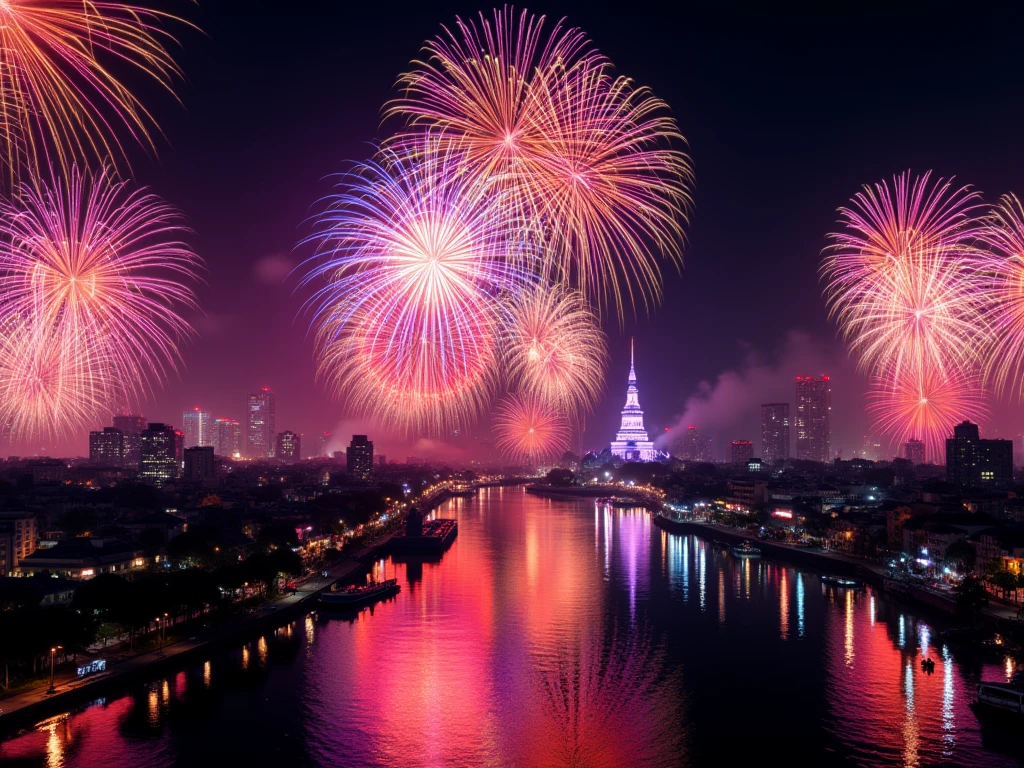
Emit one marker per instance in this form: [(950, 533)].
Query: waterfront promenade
[(35, 703)]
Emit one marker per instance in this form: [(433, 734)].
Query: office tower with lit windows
[(740, 452), (196, 426), (972, 462), (774, 432), (813, 419), (261, 424), (106, 448), (360, 457), (161, 453), (227, 437), (199, 465), (289, 446), (132, 426), (322, 443), (913, 451)]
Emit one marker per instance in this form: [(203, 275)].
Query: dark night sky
[(786, 115)]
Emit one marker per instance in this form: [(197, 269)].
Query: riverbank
[(1001, 616), (30, 706)]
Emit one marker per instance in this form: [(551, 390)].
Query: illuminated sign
[(783, 513), (100, 665)]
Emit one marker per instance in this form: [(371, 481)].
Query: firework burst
[(61, 99), (413, 259), (925, 406), (1002, 264), (530, 431), (590, 159), (901, 279), (554, 350), (91, 275)]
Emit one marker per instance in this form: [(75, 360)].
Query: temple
[(631, 443)]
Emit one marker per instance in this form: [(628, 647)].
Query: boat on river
[(746, 550), (840, 581), (360, 594), (1005, 699)]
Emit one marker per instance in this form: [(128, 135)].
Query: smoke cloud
[(730, 407)]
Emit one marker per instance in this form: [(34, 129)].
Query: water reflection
[(560, 634)]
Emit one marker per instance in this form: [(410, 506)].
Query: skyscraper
[(199, 464), (740, 452), (360, 457), (106, 448), (774, 432), (631, 442), (196, 426), (813, 421), (131, 425), (162, 449), (971, 461), (693, 446), (261, 424), (227, 437), (913, 451), (289, 446), (322, 442)]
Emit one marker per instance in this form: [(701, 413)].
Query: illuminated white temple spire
[(631, 442)]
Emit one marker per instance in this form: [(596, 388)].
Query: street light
[(53, 652), (159, 636)]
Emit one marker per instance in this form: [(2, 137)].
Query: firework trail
[(530, 431), (553, 348), (91, 276), (413, 259), (901, 279), (60, 98), (588, 159)]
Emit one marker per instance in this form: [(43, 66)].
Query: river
[(561, 633)]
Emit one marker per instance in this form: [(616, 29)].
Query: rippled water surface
[(562, 634)]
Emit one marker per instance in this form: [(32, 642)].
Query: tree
[(971, 597), (278, 535), (961, 552), (77, 521), (561, 477), (1005, 581)]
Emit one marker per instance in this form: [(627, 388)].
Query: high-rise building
[(740, 452), (971, 461), (106, 448), (631, 442), (19, 538), (813, 420), (161, 453), (774, 432), (227, 438), (131, 425), (693, 446), (360, 457), (322, 442), (289, 446), (199, 464), (382, 460), (913, 451), (196, 426), (261, 424)]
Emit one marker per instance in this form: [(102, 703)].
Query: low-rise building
[(84, 558)]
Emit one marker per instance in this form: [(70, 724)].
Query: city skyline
[(265, 348)]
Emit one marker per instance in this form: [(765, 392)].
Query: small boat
[(928, 665), (999, 699), (360, 594), (839, 581), (745, 550)]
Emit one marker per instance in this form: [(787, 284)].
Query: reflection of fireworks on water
[(608, 701)]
